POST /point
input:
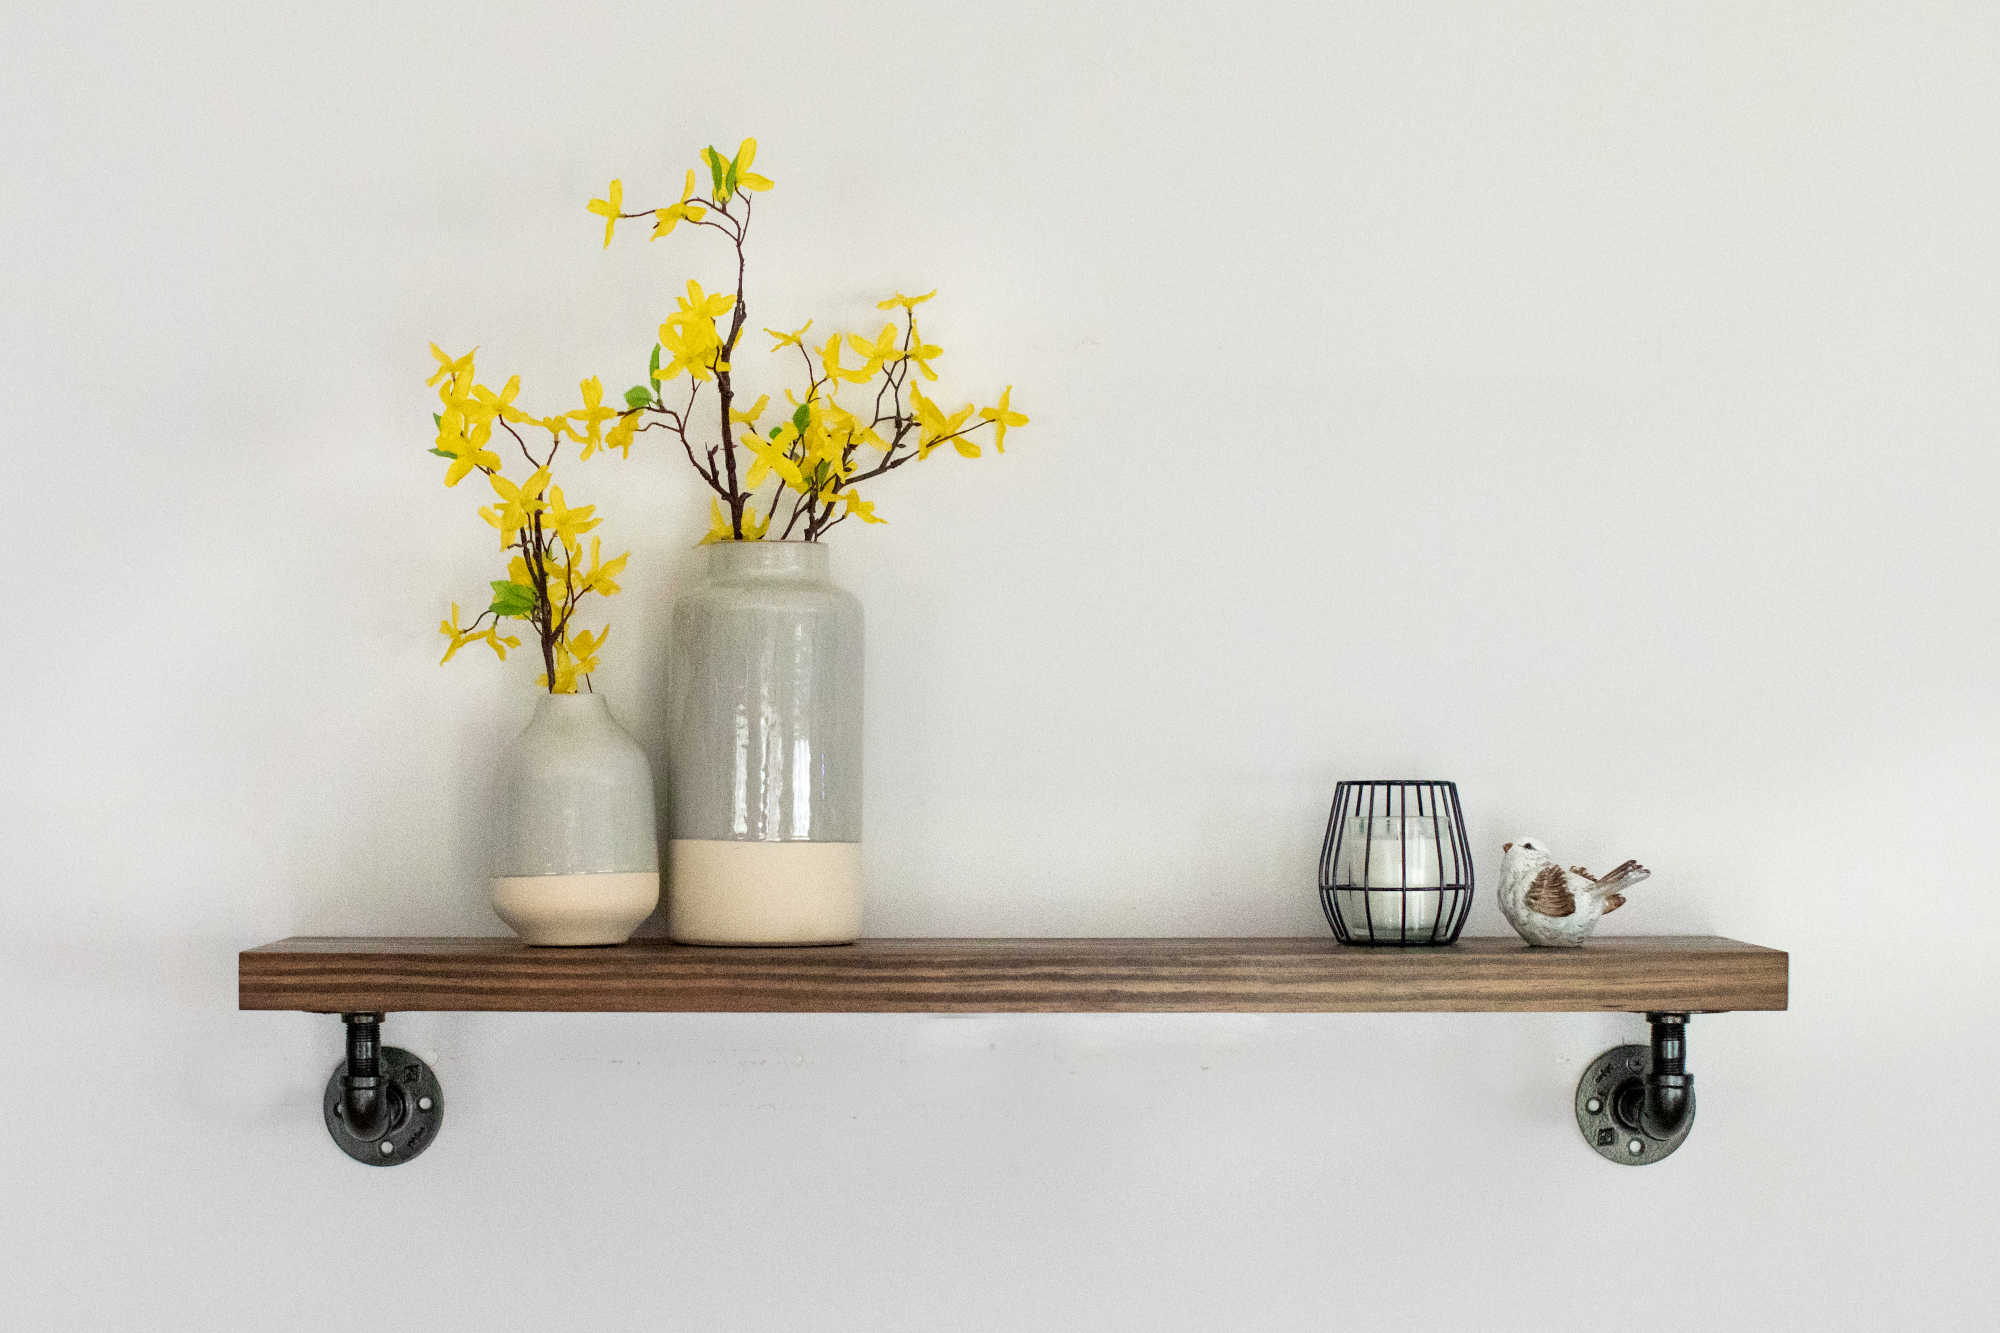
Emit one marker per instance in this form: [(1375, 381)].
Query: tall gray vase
[(764, 751)]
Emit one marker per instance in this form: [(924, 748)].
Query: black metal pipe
[(365, 1098), (1669, 1092)]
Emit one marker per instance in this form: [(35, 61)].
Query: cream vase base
[(763, 893), (571, 910)]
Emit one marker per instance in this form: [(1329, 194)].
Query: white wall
[(1594, 404)]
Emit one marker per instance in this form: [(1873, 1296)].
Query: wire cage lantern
[(1396, 868)]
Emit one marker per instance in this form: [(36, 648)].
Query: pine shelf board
[(1683, 973)]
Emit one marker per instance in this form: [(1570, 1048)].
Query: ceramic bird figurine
[(1552, 906)]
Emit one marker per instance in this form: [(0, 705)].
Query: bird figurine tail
[(1612, 884)]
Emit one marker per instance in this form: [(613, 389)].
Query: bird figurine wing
[(1549, 893)]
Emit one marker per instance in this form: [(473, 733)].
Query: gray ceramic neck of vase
[(578, 707), (804, 561)]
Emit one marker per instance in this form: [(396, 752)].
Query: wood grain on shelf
[(984, 976)]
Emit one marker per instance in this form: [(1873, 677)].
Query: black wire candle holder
[(1396, 868)]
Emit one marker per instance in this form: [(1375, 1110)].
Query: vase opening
[(778, 560)]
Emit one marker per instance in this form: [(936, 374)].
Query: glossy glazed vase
[(764, 751), (577, 856)]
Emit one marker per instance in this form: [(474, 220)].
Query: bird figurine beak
[(1506, 847)]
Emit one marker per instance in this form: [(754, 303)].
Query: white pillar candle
[(1390, 852)]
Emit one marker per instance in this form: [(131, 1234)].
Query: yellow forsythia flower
[(450, 629), (873, 354), (693, 344), (718, 524), (520, 503), (1002, 416), (568, 525), (448, 369), (859, 507), (770, 458), (698, 303), (601, 577), (791, 339), (747, 179), (609, 208), (593, 414), (921, 352), (467, 449), (935, 425), (460, 637), (666, 219)]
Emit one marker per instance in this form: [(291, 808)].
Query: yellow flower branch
[(546, 575), (813, 458)]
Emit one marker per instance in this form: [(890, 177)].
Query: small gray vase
[(764, 751), (577, 859)]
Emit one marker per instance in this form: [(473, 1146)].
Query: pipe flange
[(1599, 1109), (416, 1109)]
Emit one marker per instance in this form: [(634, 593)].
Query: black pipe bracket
[(1635, 1104), (383, 1105)]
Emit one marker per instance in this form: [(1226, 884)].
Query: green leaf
[(654, 364), (801, 418), (511, 599), (729, 178), (442, 454), (437, 421), (715, 171), (776, 431), (638, 396)]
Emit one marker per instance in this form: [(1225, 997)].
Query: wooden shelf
[(973, 976)]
